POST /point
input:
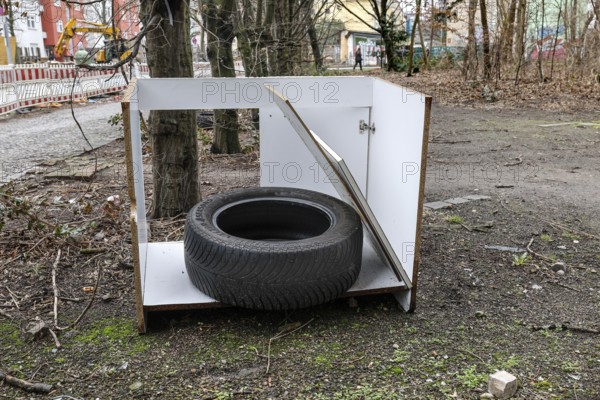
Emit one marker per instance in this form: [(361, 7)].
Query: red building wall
[(127, 17), (55, 16)]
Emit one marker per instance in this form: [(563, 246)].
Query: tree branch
[(343, 5), (27, 386)]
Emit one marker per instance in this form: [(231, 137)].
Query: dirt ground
[(478, 309)]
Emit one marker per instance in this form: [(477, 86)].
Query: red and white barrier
[(27, 85), (8, 97)]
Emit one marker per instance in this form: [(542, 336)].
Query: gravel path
[(26, 140)]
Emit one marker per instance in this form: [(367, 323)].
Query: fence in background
[(27, 85)]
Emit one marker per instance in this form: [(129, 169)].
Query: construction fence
[(28, 85)]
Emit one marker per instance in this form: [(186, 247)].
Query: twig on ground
[(450, 141), (569, 229), (55, 288), (27, 386), (56, 341), (13, 297), (566, 286), (562, 327), (467, 352), (10, 261), (279, 336), (99, 274), (466, 227), (92, 250), (73, 299), (540, 256), (4, 314)]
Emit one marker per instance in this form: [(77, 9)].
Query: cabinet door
[(285, 160), (395, 177)]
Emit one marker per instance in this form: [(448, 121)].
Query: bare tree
[(173, 133), (218, 16), (487, 65), (470, 60)]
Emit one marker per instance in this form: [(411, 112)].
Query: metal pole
[(9, 54)]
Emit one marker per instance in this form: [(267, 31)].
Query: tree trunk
[(218, 17), (411, 50), (173, 133), (470, 64), (541, 45), (314, 45), (487, 64), (509, 30), (423, 48), (574, 33), (520, 34)]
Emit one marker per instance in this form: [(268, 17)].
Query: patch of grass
[(401, 356), (455, 219), (361, 392), (508, 364), (520, 260), (545, 238), (570, 367), (471, 379), (571, 236), (322, 361), (118, 334), (10, 335), (543, 385), (203, 137)]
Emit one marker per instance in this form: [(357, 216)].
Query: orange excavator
[(114, 44)]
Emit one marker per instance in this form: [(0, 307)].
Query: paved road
[(27, 140)]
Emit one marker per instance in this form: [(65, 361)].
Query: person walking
[(357, 58)]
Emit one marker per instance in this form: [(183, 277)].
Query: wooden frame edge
[(417, 260), (126, 109)]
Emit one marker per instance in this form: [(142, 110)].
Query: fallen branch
[(450, 141), (27, 386), (92, 250), (569, 229), (55, 288), (566, 286), (563, 327), (56, 341)]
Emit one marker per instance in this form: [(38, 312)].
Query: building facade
[(28, 32)]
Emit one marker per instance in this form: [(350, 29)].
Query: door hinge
[(363, 126)]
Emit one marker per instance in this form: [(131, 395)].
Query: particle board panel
[(168, 285)]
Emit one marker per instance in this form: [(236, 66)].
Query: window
[(59, 26), (77, 6), (57, 3), (31, 21)]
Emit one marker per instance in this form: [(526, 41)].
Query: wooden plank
[(125, 107)]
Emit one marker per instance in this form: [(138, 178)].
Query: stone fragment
[(456, 200), (558, 266), (436, 205), (477, 197), (502, 385)]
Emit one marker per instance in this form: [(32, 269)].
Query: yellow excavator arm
[(75, 25)]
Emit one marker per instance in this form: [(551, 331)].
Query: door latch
[(363, 126)]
